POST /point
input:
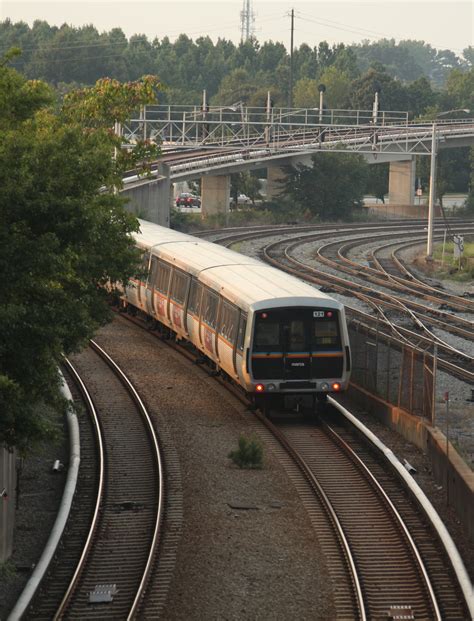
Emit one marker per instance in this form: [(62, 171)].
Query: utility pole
[(290, 96)]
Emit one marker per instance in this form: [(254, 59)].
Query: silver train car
[(283, 341)]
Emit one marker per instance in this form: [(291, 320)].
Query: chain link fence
[(400, 374)]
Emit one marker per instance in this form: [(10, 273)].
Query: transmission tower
[(247, 20)]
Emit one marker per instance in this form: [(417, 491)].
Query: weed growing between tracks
[(249, 454)]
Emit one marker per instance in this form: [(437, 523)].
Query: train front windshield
[(297, 343)]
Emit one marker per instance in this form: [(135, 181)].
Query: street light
[(431, 199)]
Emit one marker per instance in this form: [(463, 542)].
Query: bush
[(249, 454)]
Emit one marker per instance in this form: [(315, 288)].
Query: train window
[(241, 333), (267, 334), (229, 317), (179, 285), (210, 303), (162, 282), (295, 340), (152, 273), (325, 331), (194, 305)]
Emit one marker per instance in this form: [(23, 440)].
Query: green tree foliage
[(236, 86), (332, 188), (338, 87), (407, 60), (393, 95), (305, 93), (377, 180), (62, 238)]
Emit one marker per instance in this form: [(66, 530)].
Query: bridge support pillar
[(401, 184), (151, 200), (276, 177), (215, 194)]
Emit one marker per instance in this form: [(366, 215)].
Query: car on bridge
[(186, 199)]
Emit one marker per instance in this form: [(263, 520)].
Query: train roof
[(244, 280)]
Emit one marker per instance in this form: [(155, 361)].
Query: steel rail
[(307, 472), (100, 491), (398, 518), (144, 412)]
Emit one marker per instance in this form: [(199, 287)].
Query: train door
[(150, 287), (209, 310), (194, 312), (295, 334), (227, 335), (178, 294), (239, 348), (161, 293)]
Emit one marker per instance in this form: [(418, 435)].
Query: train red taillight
[(336, 386), (259, 388)]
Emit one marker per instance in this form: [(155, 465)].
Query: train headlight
[(271, 387), (325, 387), (336, 386), (259, 388)]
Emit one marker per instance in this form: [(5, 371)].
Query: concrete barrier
[(401, 211), (450, 471)]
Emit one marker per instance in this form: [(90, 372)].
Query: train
[(284, 342)]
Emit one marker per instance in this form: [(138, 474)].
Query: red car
[(185, 199)]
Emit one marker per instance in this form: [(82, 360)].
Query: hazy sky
[(442, 24)]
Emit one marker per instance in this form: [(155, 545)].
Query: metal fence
[(400, 374)]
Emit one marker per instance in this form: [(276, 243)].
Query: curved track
[(111, 566)]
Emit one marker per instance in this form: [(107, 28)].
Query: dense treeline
[(409, 72)]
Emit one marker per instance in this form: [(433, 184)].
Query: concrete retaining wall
[(456, 478), (7, 502), (402, 211)]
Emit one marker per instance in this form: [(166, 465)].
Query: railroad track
[(109, 549), (385, 559), (383, 556)]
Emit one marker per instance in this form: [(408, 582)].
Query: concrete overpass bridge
[(211, 144)]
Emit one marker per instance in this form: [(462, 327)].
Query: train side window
[(163, 279), (194, 305), (241, 332), (152, 273), (179, 285), (210, 303), (229, 317)]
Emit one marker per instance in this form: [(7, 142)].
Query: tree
[(62, 239), (377, 180), (236, 86), (338, 87), (305, 93), (393, 95), (332, 188)]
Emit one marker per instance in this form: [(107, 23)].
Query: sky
[(444, 25)]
